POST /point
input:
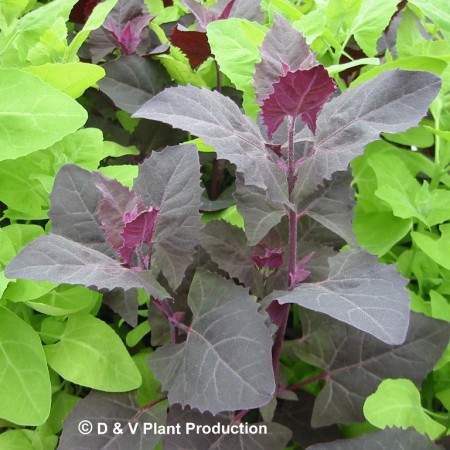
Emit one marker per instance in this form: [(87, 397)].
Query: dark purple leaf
[(227, 10), (226, 352), (205, 15), (276, 438), (388, 439), (151, 135), (101, 42), (201, 13), (133, 80), (351, 376), (74, 201), (332, 206), (359, 291), (194, 44), (282, 46), (297, 94), (392, 102), (103, 411), (296, 415), (219, 122), (170, 181), (117, 201), (128, 36), (227, 246), (124, 303), (82, 10), (59, 260), (259, 213)]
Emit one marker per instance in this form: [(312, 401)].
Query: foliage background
[(68, 89)]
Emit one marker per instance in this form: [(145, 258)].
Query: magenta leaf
[(128, 36), (301, 273), (194, 44), (301, 93), (138, 230), (117, 201)]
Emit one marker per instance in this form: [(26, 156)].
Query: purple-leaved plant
[(225, 294)]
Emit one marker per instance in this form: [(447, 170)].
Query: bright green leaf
[(371, 20), (115, 150), (437, 248), (396, 185), (136, 334), (424, 63), (26, 392), (433, 205), (150, 388), (437, 10), (370, 229), (91, 354), (418, 136), (33, 115), (230, 215), (179, 69), (125, 174), (235, 44), (64, 300), (71, 78), (62, 405), (358, 62), (440, 306), (396, 403)]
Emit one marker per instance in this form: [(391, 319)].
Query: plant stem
[(284, 312), (147, 407), (295, 386), (215, 167)]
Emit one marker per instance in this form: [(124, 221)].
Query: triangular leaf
[(297, 94), (361, 292), (103, 361), (352, 376), (227, 351)]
